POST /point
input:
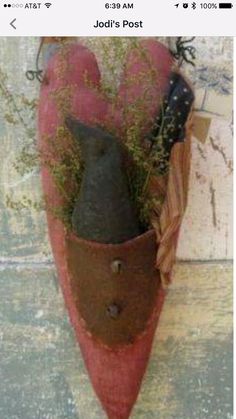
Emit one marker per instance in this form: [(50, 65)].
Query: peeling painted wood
[(206, 232), (190, 370), (25, 235)]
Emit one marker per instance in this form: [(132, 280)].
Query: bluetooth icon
[(194, 5)]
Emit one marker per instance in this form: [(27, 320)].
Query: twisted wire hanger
[(36, 74), (184, 52)]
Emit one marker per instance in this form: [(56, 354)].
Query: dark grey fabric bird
[(103, 211)]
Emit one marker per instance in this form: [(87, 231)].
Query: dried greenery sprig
[(66, 168)]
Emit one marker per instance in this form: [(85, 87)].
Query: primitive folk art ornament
[(115, 176)]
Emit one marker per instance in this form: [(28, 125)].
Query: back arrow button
[(12, 23)]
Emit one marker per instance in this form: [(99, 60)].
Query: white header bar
[(117, 18)]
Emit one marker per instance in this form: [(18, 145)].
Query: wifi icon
[(48, 5)]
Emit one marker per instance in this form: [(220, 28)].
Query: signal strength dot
[(48, 5)]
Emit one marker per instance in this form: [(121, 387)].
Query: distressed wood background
[(207, 228), (190, 371), (189, 375)]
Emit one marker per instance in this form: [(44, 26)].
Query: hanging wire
[(36, 74), (183, 51)]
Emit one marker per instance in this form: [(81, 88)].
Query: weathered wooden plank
[(205, 235), (189, 374)]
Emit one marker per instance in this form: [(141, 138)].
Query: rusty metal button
[(113, 310), (117, 266)]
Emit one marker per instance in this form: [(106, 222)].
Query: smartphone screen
[(116, 209)]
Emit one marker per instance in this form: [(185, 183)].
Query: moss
[(63, 158)]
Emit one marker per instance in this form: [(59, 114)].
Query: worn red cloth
[(72, 81)]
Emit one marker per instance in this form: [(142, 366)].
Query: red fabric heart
[(116, 375), (142, 86)]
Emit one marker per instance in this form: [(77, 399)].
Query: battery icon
[(225, 5)]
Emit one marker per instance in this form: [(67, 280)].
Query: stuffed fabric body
[(72, 85)]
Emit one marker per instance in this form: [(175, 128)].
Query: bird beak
[(79, 130), (71, 124)]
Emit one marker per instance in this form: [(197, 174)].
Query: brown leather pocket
[(114, 286)]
